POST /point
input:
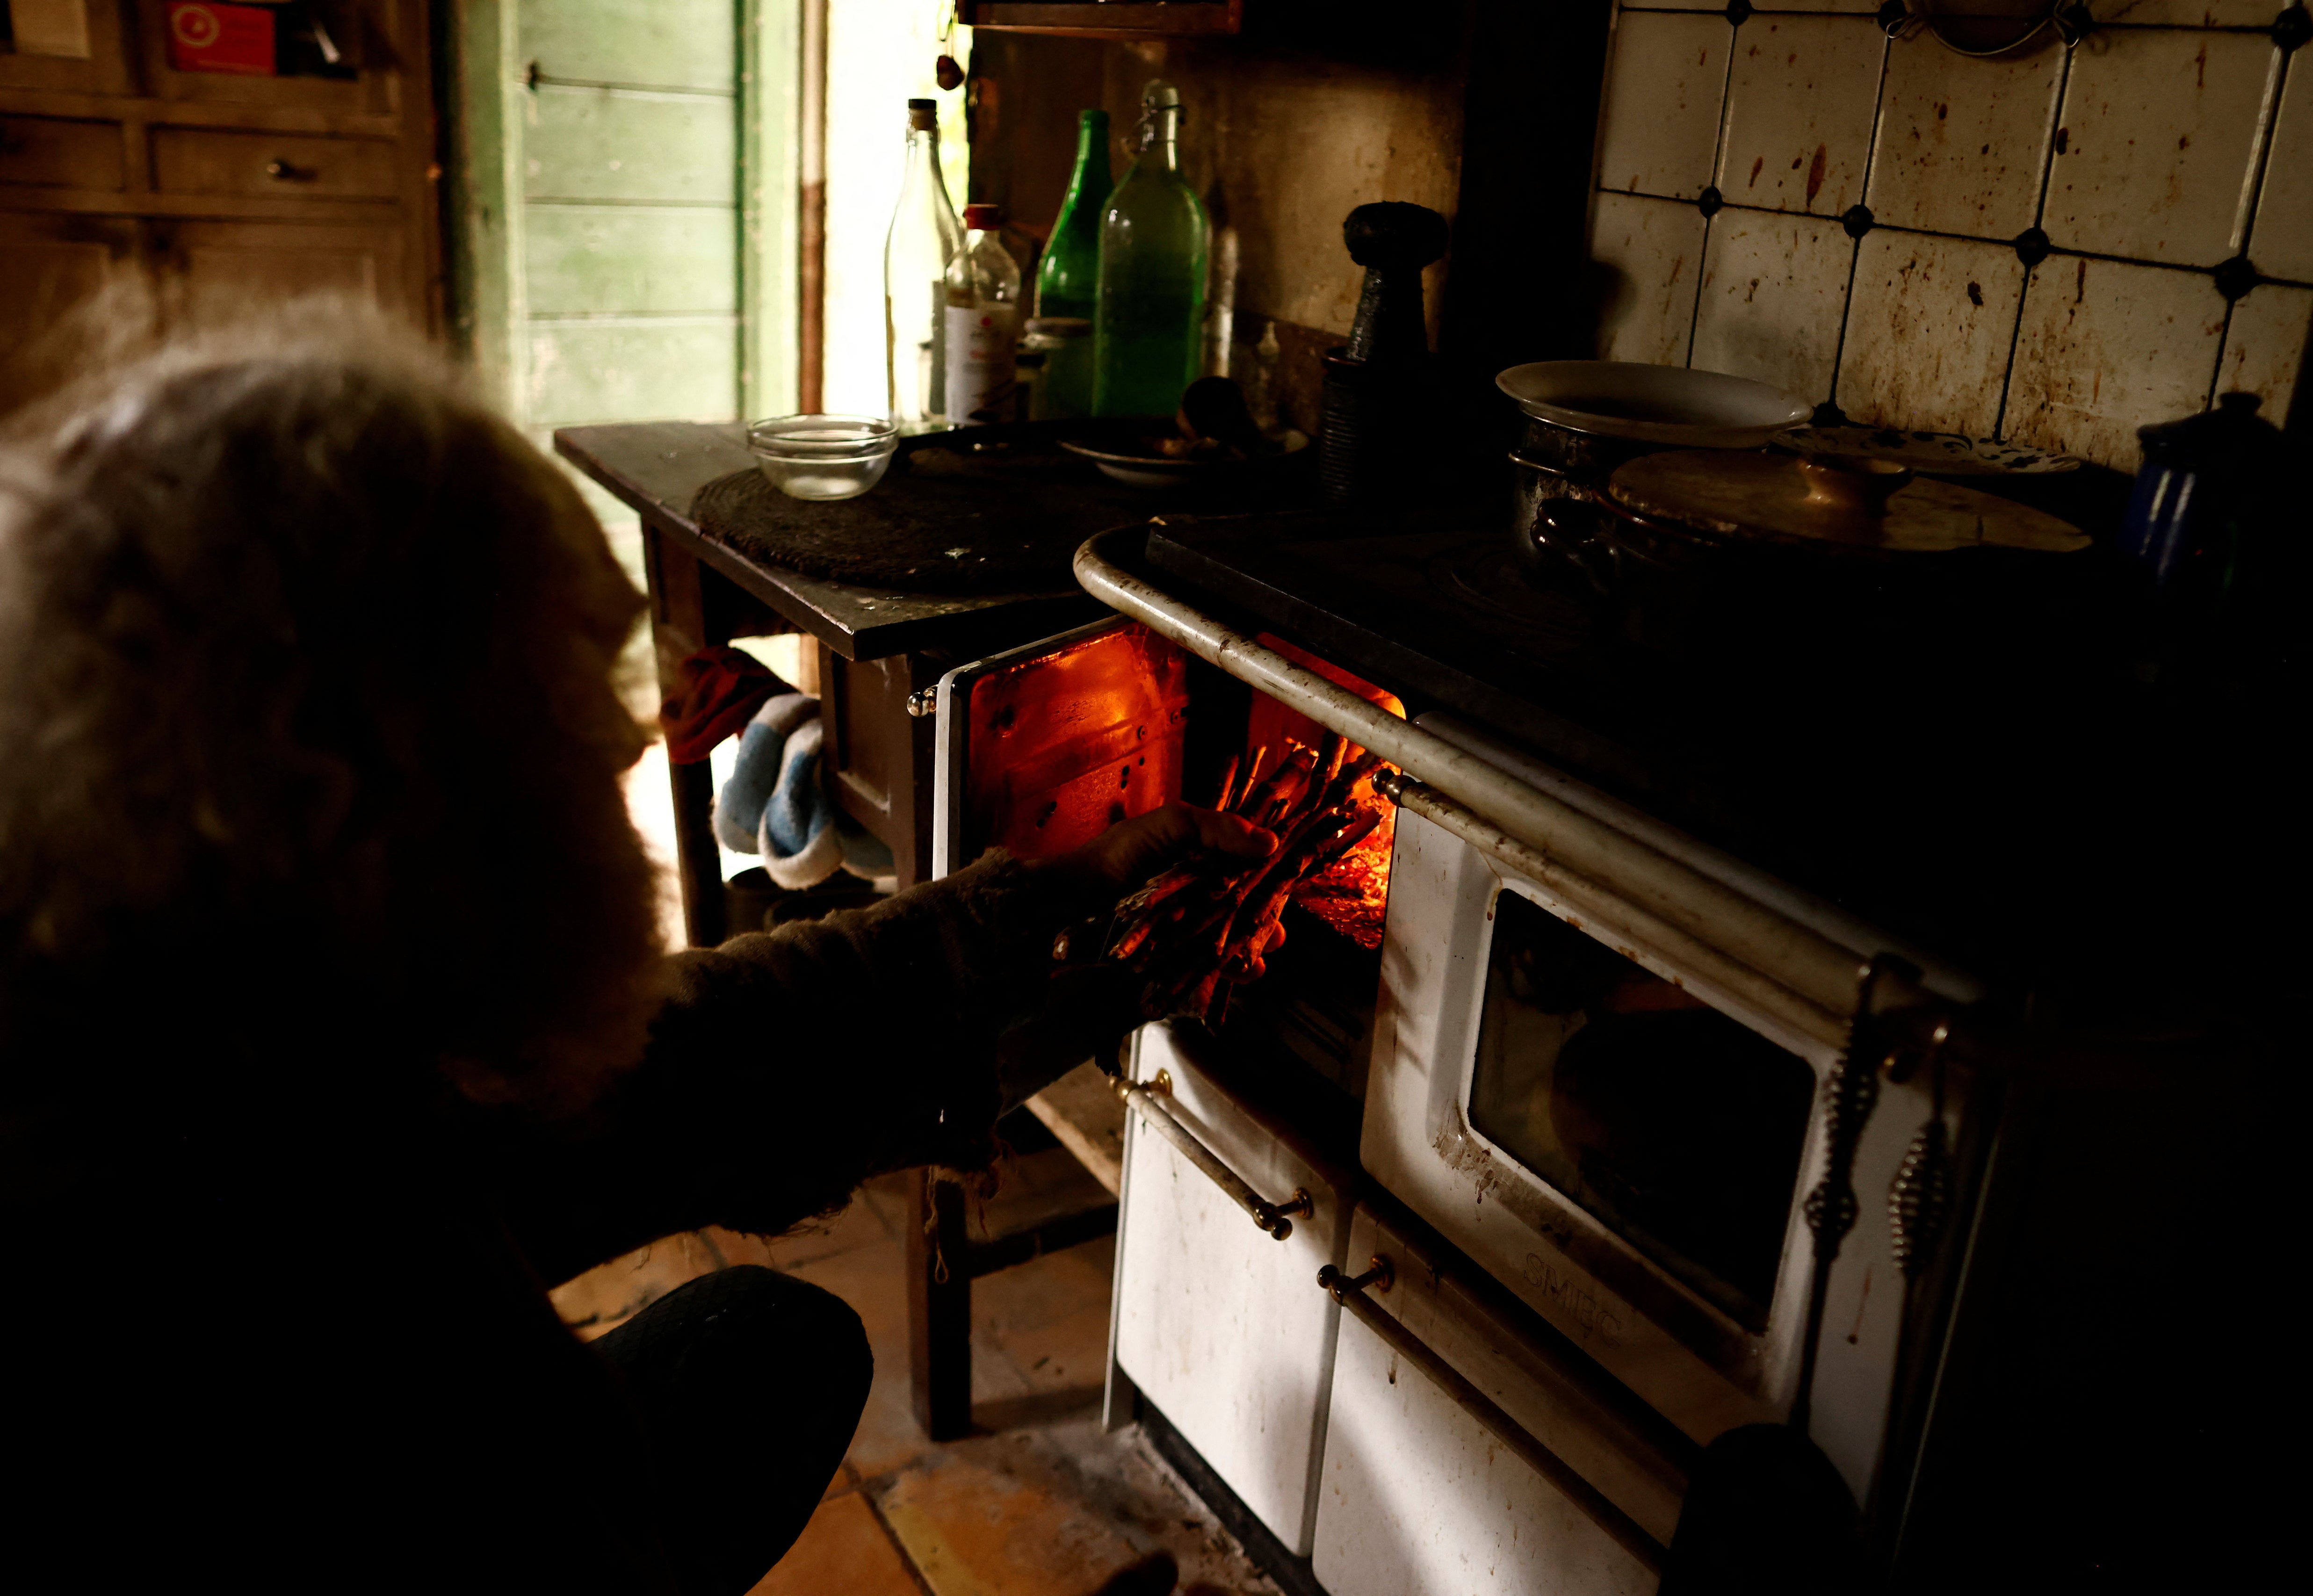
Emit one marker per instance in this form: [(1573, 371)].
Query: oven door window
[(1678, 1129)]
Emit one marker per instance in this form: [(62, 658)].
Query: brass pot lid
[(1779, 499)]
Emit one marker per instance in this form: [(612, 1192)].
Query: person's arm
[(788, 1066)]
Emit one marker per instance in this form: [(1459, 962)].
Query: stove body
[(1553, 1138)]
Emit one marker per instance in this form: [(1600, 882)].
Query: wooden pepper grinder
[(1378, 399)]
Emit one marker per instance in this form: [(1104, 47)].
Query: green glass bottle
[(1068, 279), (1149, 324)]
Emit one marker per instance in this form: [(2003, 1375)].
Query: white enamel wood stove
[(1565, 1251)]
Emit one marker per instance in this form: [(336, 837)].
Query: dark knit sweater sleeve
[(787, 1067)]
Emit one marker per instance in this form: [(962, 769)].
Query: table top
[(658, 467)]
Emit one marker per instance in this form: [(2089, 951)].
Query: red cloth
[(722, 689)]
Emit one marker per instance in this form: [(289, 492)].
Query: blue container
[(2202, 481)]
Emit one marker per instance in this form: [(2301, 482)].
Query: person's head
[(309, 744)]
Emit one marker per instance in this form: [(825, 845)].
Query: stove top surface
[(1926, 750)]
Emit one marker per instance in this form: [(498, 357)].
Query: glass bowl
[(824, 456)]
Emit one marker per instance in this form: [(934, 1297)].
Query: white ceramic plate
[(1157, 470), (1654, 404)]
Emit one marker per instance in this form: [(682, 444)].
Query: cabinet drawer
[(273, 165), (57, 154)]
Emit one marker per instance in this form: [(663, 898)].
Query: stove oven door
[(1625, 1150), (1043, 748)]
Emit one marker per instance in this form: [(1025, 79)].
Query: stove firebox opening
[(1351, 895), (1678, 1127)]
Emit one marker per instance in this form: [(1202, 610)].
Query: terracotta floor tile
[(843, 1552), (1068, 1355), (971, 1528), (1059, 1285)]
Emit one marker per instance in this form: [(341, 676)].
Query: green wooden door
[(626, 248)]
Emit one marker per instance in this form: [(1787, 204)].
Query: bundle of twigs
[(1192, 930)]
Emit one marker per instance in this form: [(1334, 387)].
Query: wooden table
[(876, 649)]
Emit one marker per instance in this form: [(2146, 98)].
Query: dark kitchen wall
[(1286, 130)]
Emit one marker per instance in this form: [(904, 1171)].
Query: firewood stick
[(1160, 887), (1345, 780), (1313, 857), (1276, 796), (1330, 756), (1228, 782), (1128, 939), (1208, 944), (1257, 794), (1252, 774)]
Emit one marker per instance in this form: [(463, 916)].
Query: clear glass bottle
[(1149, 327), (925, 237), (982, 323), (1068, 279)]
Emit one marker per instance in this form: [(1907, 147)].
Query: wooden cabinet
[(61, 153), (51, 263), (215, 188), (273, 165), (215, 265)]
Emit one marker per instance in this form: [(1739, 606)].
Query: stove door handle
[(1624, 1530), (1276, 1219)]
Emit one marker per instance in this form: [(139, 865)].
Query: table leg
[(939, 1310), (680, 627)]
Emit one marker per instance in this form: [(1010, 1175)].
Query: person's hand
[(1132, 851)]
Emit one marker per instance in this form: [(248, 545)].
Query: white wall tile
[(2106, 347), (2264, 346), (2189, 13), (2154, 144), (1653, 250), (1798, 113), (2281, 238), (1772, 288), (1663, 92), (1962, 141), (1929, 329)]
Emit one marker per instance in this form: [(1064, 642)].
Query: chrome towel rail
[(1790, 969), (1275, 1218)]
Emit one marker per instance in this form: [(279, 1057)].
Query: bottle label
[(979, 373)]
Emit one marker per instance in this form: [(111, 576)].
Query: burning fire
[(1351, 895)]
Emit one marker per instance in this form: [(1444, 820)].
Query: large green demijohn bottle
[(1148, 331)]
